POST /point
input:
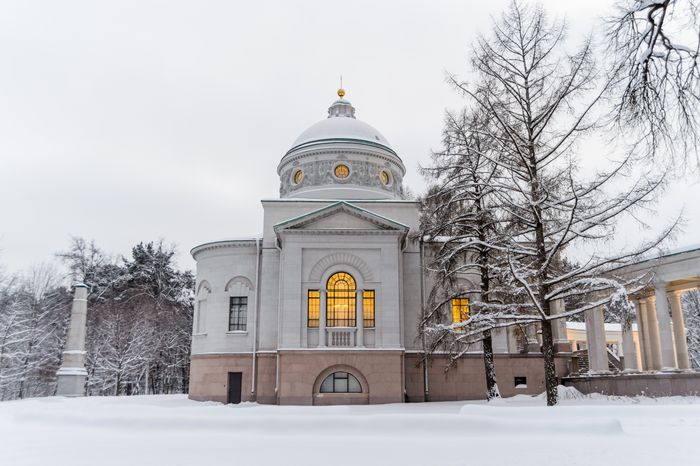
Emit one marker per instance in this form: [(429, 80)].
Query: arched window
[(340, 300), (341, 382)]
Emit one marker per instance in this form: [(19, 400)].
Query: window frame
[(337, 378), (459, 309), (369, 311), (341, 296), (316, 308), (241, 314)]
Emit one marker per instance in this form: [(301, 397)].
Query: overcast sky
[(131, 121)]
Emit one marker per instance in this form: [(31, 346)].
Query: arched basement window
[(340, 300), (341, 382)]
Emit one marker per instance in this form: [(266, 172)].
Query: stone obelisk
[(72, 374)]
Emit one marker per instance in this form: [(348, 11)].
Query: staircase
[(580, 362)]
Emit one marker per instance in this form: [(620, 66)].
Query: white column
[(499, 340), (629, 349), (513, 346), (643, 334), (561, 341), (322, 318), (652, 323), (359, 319), (533, 344), (668, 354), (595, 334), (72, 374), (679, 330)]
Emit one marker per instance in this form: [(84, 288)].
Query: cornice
[(291, 157), (226, 244)]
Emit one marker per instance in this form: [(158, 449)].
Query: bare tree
[(691, 305), (655, 49), (460, 225), (542, 101)]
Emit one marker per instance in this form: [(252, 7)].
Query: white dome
[(341, 125), (341, 158)]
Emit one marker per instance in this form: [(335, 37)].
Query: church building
[(324, 306)]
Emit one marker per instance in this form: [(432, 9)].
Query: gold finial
[(341, 91)]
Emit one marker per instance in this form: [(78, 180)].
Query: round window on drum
[(298, 176), (384, 177), (341, 171)]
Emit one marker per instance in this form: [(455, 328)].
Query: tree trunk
[(550, 373), (489, 368)]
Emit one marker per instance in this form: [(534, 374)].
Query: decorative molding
[(382, 223), (321, 173), (340, 258), (233, 243), (240, 279), (203, 285)]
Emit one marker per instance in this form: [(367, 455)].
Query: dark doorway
[(234, 387)]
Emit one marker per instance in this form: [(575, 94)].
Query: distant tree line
[(138, 329)]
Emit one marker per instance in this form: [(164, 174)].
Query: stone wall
[(656, 384), (466, 380), (383, 375), (209, 376), (301, 372)]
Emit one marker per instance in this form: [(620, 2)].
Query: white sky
[(131, 121)]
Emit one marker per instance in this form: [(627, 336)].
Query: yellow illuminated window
[(384, 176), (368, 308), (342, 171), (314, 303), (340, 300), (298, 176), (460, 310)]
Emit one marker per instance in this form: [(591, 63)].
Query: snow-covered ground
[(171, 430)]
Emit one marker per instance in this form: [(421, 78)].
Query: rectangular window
[(368, 308), (238, 314), (314, 307), (460, 310), (520, 382)]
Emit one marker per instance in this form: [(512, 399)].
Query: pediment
[(338, 221), (340, 216)]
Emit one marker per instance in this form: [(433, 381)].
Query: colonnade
[(661, 332)]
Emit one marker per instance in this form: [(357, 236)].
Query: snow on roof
[(609, 327), (341, 128)]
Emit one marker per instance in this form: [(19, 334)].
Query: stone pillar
[(595, 334), (512, 340), (679, 330), (322, 318), (359, 319), (653, 325), (561, 341), (533, 344), (643, 334), (629, 349), (72, 374), (499, 339), (668, 354)]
